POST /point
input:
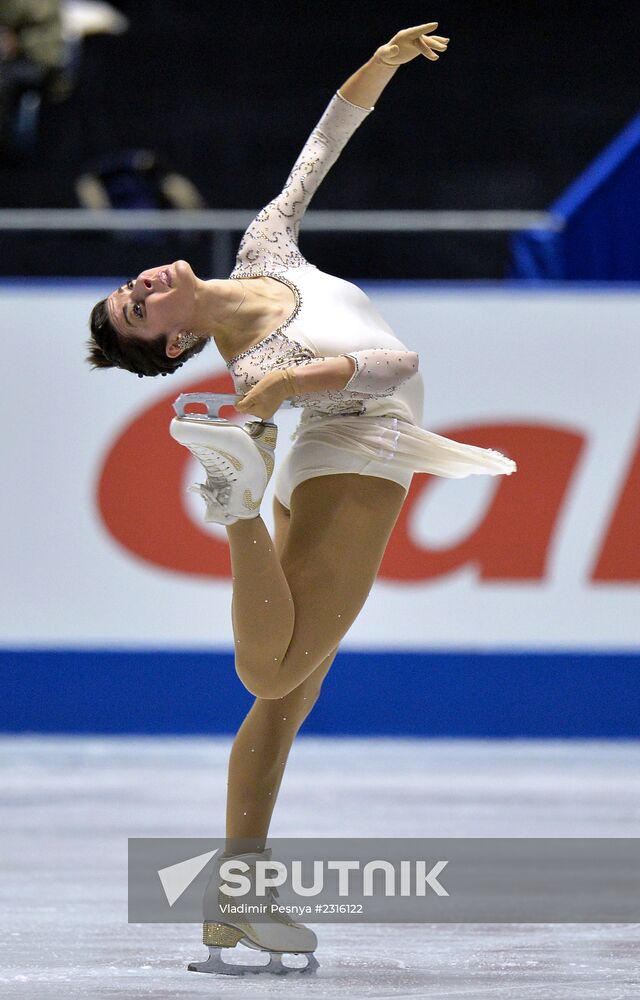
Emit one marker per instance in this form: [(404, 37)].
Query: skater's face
[(158, 301)]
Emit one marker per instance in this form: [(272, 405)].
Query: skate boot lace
[(273, 896), (220, 477)]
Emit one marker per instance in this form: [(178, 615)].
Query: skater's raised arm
[(271, 241), (368, 82)]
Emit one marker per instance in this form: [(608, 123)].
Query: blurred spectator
[(39, 57), (91, 17), (139, 179)]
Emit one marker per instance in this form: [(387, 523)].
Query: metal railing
[(222, 223)]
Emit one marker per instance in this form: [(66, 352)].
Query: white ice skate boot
[(238, 460), (272, 933)]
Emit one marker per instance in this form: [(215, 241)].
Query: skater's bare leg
[(262, 610), (258, 759), (262, 744), (290, 613)]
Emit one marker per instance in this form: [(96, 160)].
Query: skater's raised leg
[(262, 608), (290, 613)]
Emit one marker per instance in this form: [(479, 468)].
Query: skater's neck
[(239, 312)]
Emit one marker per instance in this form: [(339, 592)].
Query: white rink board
[(564, 358)]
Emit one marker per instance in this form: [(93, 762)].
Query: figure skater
[(288, 331)]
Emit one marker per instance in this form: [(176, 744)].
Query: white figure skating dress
[(372, 426)]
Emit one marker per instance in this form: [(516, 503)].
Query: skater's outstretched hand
[(412, 42)]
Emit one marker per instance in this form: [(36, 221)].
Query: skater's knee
[(273, 688), (299, 698), (275, 681), (257, 683), (266, 691)]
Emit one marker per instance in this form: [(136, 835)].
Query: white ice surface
[(67, 806)]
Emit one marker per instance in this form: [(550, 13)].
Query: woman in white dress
[(289, 331)]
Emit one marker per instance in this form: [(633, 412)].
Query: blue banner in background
[(601, 215), (436, 694)]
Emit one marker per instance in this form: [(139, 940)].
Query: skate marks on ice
[(67, 807), (497, 962)]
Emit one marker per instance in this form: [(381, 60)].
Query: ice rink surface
[(68, 806)]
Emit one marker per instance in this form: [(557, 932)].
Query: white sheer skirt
[(386, 447)]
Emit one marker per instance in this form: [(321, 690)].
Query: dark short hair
[(109, 349)]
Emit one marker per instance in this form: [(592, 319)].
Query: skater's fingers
[(427, 50), (418, 29)]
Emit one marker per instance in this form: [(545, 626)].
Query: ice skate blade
[(217, 965), (214, 401)]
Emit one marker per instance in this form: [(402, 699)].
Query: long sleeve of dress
[(271, 241), (380, 371)]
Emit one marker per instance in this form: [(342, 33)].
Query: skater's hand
[(265, 397), (412, 42)]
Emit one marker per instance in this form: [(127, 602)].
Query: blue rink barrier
[(455, 694), (601, 214)]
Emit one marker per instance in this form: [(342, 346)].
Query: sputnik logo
[(176, 879)]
